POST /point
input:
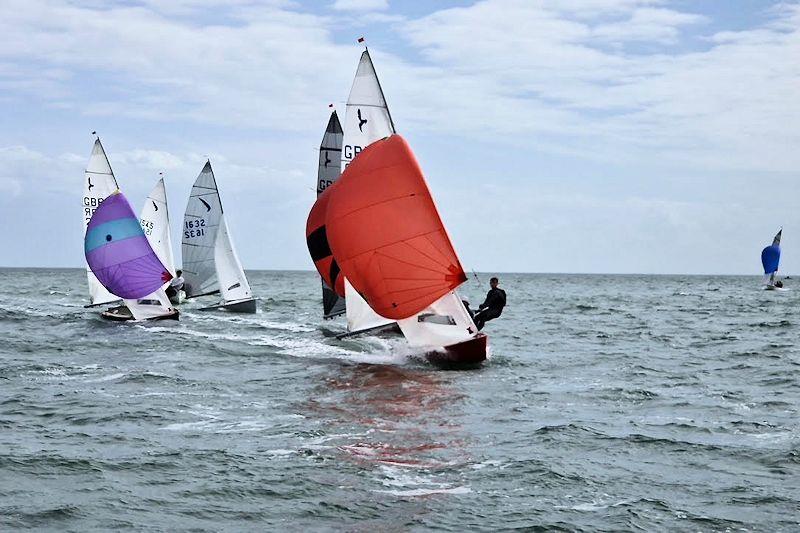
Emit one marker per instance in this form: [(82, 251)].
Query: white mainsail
[(155, 224), (210, 262), (99, 183), (367, 120), (200, 226), (154, 219)]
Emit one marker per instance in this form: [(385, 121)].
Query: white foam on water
[(426, 492), (280, 452), (110, 377), (294, 327), (306, 347)]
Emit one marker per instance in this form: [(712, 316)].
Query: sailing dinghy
[(367, 120), (330, 155), (122, 260), (99, 182), (154, 220), (210, 262), (770, 259), (403, 266)]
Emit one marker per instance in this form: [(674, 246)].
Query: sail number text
[(194, 228), (90, 205), (350, 152), (147, 226)]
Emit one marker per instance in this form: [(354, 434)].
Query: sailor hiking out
[(492, 307)]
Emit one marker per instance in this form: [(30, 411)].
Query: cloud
[(360, 5), (555, 81), (256, 65)]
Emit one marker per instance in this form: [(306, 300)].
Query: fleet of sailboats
[(384, 256), (213, 265)]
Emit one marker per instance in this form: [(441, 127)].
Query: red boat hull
[(468, 354)]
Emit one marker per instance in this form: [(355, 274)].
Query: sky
[(597, 136)]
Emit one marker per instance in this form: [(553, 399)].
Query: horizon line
[(486, 272)]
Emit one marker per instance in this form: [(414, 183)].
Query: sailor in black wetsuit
[(492, 307)]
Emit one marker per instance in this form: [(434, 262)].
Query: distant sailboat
[(330, 155), (99, 182), (405, 266), (122, 260), (770, 259), (210, 262), (367, 120)]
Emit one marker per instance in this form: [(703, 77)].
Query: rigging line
[(374, 105)]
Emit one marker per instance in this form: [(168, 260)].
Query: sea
[(609, 403)]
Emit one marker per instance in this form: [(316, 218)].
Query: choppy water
[(610, 403)]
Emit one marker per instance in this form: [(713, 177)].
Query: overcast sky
[(557, 135)]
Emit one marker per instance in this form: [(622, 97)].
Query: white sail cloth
[(443, 323), (99, 183), (210, 261), (154, 219), (367, 120)]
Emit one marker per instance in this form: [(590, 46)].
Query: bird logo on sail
[(327, 159), (155, 206), (208, 207), (91, 186), (361, 121)]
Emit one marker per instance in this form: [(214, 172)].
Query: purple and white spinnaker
[(118, 252)]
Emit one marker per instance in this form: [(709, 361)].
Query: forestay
[(99, 183)]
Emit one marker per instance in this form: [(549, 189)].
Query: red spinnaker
[(317, 241), (386, 234)]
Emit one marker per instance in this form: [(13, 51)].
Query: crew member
[(492, 307), (176, 285)]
